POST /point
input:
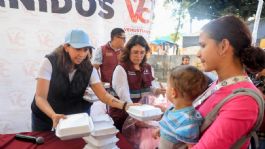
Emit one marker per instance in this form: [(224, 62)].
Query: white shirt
[(45, 72), (97, 56), (121, 86)]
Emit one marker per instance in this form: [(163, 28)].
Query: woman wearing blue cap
[(62, 80)]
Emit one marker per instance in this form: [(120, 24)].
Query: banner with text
[(32, 28)]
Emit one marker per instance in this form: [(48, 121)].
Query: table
[(7, 141)]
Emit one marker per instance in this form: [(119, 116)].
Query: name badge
[(131, 73), (146, 71)]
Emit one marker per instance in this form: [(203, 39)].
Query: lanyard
[(213, 88)]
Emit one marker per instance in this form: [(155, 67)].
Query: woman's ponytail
[(253, 58)]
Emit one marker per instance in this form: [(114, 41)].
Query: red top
[(7, 141), (236, 118)]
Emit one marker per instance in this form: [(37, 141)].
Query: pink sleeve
[(235, 119)]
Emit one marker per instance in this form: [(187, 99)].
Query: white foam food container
[(106, 84), (144, 112), (108, 146), (102, 137), (102, 118), (102, 129), (90, 96), (100, 143), (74, 126)]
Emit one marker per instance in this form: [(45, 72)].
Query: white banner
[(29, 29)]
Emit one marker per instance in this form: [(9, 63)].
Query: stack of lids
[(104, 134), (74, 126), (106, 85), (90, 95)]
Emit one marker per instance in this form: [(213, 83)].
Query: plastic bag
[(139, 133)]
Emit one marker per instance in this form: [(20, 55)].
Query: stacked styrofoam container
[(90, 95), (104, 134), (74, 126)]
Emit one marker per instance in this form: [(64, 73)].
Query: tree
[(211, 9), (179, 11)]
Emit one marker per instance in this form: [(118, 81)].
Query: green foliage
[(211, 9), (178, 12)]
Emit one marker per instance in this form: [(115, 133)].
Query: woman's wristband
[(124, 106)]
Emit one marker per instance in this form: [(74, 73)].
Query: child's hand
[(156, 133)]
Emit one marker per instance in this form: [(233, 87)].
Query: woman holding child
[(226, 48)]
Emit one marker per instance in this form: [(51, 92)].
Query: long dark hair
[(64, 62), (237, 33), (135, 40)]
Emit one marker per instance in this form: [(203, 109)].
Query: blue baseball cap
[(78, 38)]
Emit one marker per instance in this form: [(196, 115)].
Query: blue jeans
[(261, 144)]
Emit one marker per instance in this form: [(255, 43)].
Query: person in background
[(106, 57), (258, 79), (181, 122), (226, 48), (259, 82), (185, 60), (62, 80), (132, 78)]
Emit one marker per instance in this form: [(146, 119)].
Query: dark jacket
[(65, 97)]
